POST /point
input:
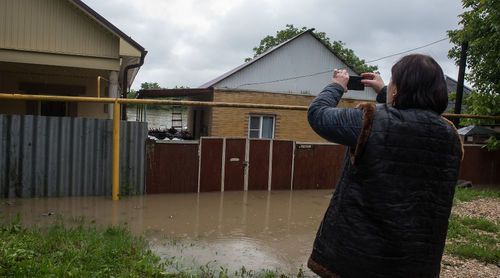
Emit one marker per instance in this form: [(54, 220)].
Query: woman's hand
[(373, 80), (341, 77)]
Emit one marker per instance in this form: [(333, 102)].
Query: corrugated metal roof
[(476, 130), (303, 65), (213, 82)]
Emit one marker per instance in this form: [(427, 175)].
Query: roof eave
[(109, 25)]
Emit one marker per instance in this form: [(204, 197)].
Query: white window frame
[(261, 117)]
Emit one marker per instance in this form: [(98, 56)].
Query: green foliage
[(132, 94), (481, 28), (144, 86), (492, 144), (338, 47), (481, 104), (150, 85)]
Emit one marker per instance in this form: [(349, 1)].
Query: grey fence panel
[(26, 155), (133, 149), (62, 156)]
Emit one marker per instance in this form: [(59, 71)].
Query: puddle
[(255, 229)]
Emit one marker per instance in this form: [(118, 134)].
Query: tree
[(144, 86), (150, 85), (338, 47), (132, 93), (480, 27)]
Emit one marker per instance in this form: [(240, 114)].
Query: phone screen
[(355, 83)]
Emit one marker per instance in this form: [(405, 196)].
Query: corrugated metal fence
[(61, 156)]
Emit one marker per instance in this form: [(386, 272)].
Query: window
[(261, 127)]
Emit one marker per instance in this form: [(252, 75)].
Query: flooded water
[(255, 229)]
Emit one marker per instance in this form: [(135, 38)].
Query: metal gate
[(234, 164), (172, 167), (210, 164), (317, 166), (227, 164)]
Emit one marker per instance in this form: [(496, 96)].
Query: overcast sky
[(191, 42)]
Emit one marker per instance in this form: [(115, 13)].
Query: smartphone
[(355, 83)]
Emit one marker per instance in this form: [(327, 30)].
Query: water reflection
[(258, 229)]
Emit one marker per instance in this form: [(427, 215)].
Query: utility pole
[(460, 82)]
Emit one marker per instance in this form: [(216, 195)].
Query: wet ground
[(256, 229)]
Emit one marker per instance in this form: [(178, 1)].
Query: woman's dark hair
[(420, 84)]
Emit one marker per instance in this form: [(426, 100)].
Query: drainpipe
[(125, 81)]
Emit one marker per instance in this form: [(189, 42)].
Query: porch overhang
[(63, 60)]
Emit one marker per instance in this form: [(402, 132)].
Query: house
[(474, 134), (292, 73), (55, 149), (63, 47), (451, 86)]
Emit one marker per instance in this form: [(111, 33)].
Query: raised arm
[(338, 125), (374, 80)]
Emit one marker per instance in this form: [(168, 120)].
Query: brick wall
[(290, 125)]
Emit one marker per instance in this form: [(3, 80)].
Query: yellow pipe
[(15, 96), (116, 152), (116, 117), (99, 85)]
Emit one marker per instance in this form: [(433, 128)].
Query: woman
[(389, 213)]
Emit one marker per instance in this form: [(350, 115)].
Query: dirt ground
[(488, 208), (453, 267)]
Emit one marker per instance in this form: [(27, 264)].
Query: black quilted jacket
[(389, 213)]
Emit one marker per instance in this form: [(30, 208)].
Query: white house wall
[(303, 56)]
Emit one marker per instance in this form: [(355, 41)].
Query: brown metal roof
[(159, 93)]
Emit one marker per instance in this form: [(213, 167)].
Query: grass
[(469, 194), (82, 250), (472, 237)]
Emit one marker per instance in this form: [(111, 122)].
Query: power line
[(285, 79), (406, 51), (322, 72)]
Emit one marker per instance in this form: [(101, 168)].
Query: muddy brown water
[(255, 229)]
